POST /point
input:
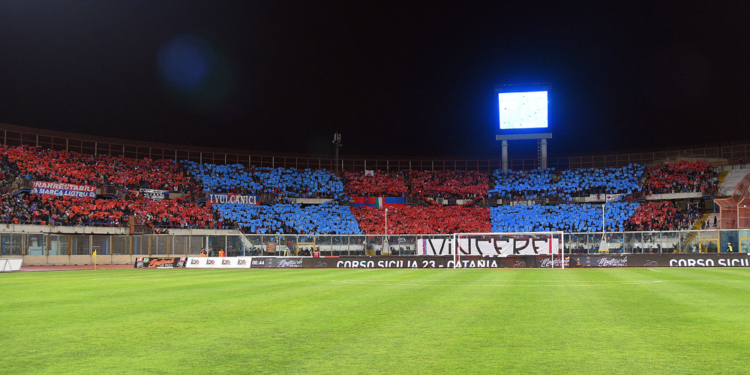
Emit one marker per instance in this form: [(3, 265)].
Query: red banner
[(63, 190)]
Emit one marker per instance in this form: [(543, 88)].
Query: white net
[(510, 244)]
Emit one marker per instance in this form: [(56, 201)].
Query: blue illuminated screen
[(523, 110)]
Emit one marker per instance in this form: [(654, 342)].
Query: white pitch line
[(651, 269), (497, 285), (539, 282)]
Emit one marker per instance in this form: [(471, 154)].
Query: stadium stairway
[(710, 220), (243, 238), (728, 180), (699, 223), (723, 176), (697, 226)]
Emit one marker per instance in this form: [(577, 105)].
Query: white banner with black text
[(497, 247)]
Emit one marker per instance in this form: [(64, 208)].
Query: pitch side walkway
[(72, 268)]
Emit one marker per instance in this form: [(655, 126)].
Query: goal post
[(504, 244)]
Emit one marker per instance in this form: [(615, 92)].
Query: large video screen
[(523, 110)]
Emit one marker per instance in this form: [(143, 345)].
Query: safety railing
[(30, 244), (12, 135)]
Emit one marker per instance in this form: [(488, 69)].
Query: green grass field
[(606, 321)]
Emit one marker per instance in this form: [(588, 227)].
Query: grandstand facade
[(66, 196)]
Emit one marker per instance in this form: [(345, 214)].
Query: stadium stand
[(662, 216), (527, 185), (517, 185), (75, 168), (418, 184), (424, 219), (682, 177), (283, 182), (376, 184), (326, 218), (586, 181), (20, 207), (130, 174), (8, 170), (448, 184), (563, 217), (70, 211)]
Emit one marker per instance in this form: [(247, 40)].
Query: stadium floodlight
[(386, 222), (603, 246), (337, 143)]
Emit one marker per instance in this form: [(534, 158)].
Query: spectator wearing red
[(682, 177), (424, 220)]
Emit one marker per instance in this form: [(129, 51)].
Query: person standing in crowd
[(221, 253), (203, 253), (729, 248)]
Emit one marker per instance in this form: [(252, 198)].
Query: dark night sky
[(395, 78)]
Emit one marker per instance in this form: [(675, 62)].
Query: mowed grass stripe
[(624, 325), (654, 329), (307, 321)]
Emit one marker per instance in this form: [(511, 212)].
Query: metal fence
[(26, 244), (13, 135)]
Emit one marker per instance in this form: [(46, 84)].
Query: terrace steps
[(730, 181), (697, 226)]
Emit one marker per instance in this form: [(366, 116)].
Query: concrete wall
[(64, 260)]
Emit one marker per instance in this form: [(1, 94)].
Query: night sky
[(395, 78)]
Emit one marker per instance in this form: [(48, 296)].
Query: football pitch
[(317, 321)]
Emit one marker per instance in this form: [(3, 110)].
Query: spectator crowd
[(375, 184), (682, 177), (71, 211), (326, 218), (419, 185), (563, 217), (74, 168), (430, 219), (32, 163), (663, 216), (283, 182), (448, 184), (529, 185)]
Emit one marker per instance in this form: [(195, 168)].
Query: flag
[(369, 173), (359, 201), (394, 201), (611, 197), (379, 202), (94, 254)]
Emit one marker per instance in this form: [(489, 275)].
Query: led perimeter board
[(521, 110)]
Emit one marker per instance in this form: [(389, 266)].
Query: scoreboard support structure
[(523, 110), (540, 137)]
